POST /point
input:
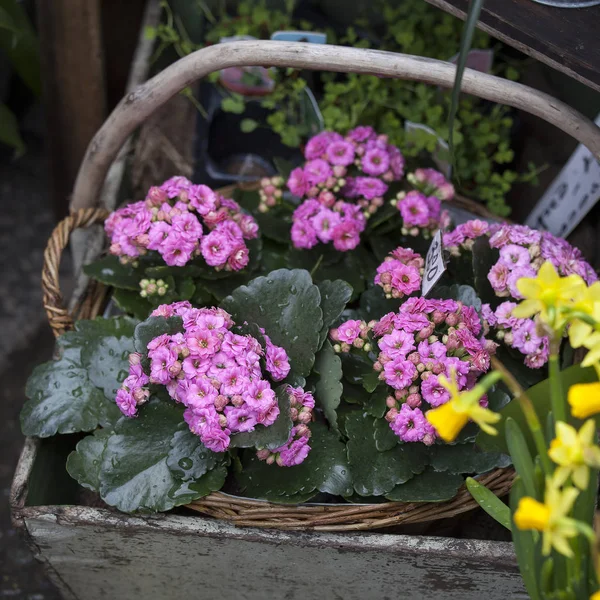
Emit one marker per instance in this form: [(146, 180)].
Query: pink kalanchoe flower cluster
[(296, 449), (415, 345), (400, 273), (342, 183), (181, 220), (216, 374), (420, 214), (520, 334), (432, 183)]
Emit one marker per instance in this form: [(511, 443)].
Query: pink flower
[(298, 182), (434, 392), (498, 276), (525, 337), (517, 274), (504, 314), (405, 279), (346, 235), (296, 453), (201, 342), (202, 198), (514, 256), (349, 331), (410, 425), (340, 153), (370, 187), (216, 248), (216, 439), (361, 134), (376, 161), (126, 403), (397, 343), (158, 233), (188, 226), (200, 394), (240, 419), (317, 145), (277, 362), (303, 235), (399, 373), (174, 186), (414, 210), (239, 257), (259, 395), (249, 227), (475, 228), (324, 222), (317, 171)]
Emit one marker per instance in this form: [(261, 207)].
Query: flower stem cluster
[(400, 273), (180, 221), (153, 287), (296, 449), (415, 351), (221, 377)]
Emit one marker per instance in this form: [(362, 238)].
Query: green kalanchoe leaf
[(374, 304), (188, 458), (184, 492), (110, 271), (328, 387), (132, 303), (134, 474), (83, 464), (153, 327), (273, 436), (284, 303), (385, 438), (376, 404), (377, 473), (106, 358), (429, 486), (465, 458), (334, 297), (325, 469), (62, 399)]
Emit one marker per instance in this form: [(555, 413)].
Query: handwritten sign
[(434, 264), (570, 196)]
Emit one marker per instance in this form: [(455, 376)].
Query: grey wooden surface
[(98, 554)]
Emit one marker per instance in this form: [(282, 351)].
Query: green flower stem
[(530, 415), (557, 397)]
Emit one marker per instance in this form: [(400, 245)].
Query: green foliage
[(75, 392)]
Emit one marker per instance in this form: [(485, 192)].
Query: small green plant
[(19, 44), (481, 148)]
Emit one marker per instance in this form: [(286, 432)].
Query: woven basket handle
[(58, 316), (148, 97)]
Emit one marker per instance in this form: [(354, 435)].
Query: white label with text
[(434, 264), (570, 196)]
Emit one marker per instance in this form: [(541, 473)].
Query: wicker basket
[(154, 94)]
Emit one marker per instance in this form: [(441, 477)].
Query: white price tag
[(434, 264), (570, 196)]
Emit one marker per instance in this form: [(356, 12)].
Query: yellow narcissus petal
[(592, 356), (595, 596), (584, 399), (581, 476), (531, 514), (447, 422), (526, 309), (579, 332)]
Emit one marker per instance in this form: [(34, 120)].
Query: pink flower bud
[(141, 395), (305, 415), (428, 439), (271, 459), (222, 420), (452, 320), (221, 402), (414, 400), (438, 317), (377, 366), (135, 358), (294, 414), (175, 369), (302, 430), (391, 415), (414, 358), (237, 400), (401, 394), (358, 343), (263, 454), (390, 402)]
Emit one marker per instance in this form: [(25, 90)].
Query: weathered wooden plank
[(565, 39), (99, 554)]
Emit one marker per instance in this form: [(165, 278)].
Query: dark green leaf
[(429, 486), (517, 447), (185, 289), (328, 388), (354, 394), (110, 271), (492, 505), (483, 259), (131, 302), (269, 437), (284, 303), (376, 473), (540, 397), (374, 304), (134, 474), (153, 327), (83, 464), (62, 399), (184, 492), (188, 458), (465, 458), (106, 358), (376, 403), (121, 326), (284, 167), (275, 225), (334, 297), (385, 438), (325, 469), (358, 370)]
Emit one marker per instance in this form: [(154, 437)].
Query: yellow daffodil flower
[(550, 517), (584, 399), (449, 418), (547, 291), (595, 596), (575, 452)]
